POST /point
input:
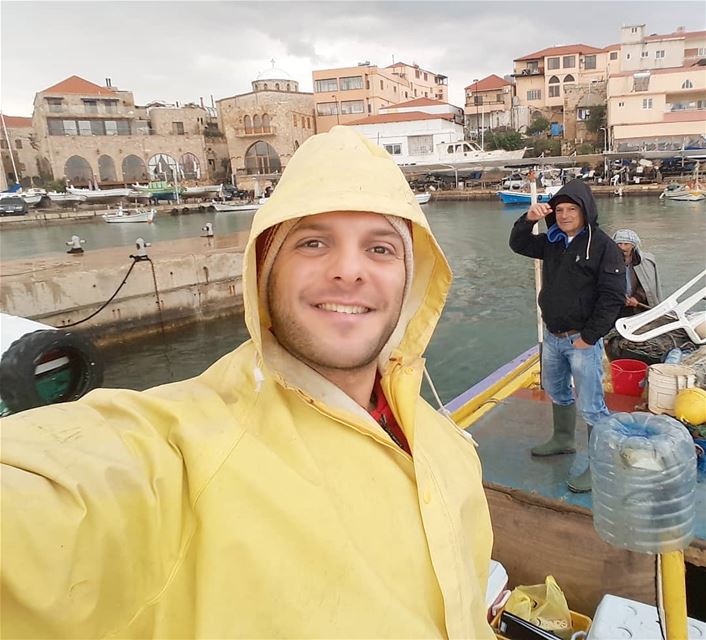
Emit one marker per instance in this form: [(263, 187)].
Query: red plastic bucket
[(627, 376)]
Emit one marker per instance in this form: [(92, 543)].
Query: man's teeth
[(342, 308)]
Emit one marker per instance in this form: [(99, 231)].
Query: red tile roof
[(560, 51), (417, 102), (408, 116), (16, 121), (75, 84), (677, 35), (488, 83), (611, 47)]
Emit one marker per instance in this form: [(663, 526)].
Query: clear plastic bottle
[(643, 470)]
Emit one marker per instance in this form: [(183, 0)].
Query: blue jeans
[(560, 361)]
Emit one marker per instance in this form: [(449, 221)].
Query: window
[(90, 106), (498, 97), (701, 51), (420, 145), (582, 113), (394, 88), (613, 55), (326, 109), (647, 103), (257, 123), (351, 82), (641, 81), (294, 119), (3, 144), (394, 149), (262, 158), (477, 100), (569, 79), (84, 127), (110, 106), (621, 104), (568, 62), (97, 128), (55, 127), (644, 54), (659, 54), (554, 88), (425, 76), (266, 128), (56, 105), (416, 73), (382, 86), (276, 86), (178, 128), (370, 108), (123, 127), (247, 124), (534, 94), (330, 84), (589, 62), (70, 128), (627, 56), (687, 84), (352, 106), (111, 128), (18, 144), (553, 63), (308, 125)]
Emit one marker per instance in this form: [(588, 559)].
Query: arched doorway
[(261, 158), (190, 167), (78, 171), (162, 167), (134, 169), (106, 169)]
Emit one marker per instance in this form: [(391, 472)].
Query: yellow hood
[(342, 170)]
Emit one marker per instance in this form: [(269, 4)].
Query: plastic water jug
[(643, 470)]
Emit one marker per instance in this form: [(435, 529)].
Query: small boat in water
[(233, 207), (683, 193), (422, 198), (524, 197), (121, 215)]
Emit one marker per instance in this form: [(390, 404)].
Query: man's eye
[(382, 250), (312, 244)]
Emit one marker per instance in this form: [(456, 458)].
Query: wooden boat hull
[(126, 217)]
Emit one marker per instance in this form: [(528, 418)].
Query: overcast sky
[(185, 50)]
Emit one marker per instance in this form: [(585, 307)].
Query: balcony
[(255, 132), (534, 71)]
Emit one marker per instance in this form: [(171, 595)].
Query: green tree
[(508, 140), (546, 146), (538, 125), (596, 119)]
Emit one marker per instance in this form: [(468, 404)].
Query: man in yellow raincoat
[(300, 487)]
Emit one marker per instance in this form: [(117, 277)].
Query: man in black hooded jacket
[(583, 291)]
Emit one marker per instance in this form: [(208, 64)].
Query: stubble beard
[(300, 342)]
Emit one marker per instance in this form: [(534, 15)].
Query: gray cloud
[(184, 50)]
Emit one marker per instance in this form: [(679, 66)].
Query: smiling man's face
[(336, 289)]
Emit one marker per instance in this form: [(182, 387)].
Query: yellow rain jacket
[(256, 500)]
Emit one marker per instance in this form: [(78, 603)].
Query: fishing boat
[(233, 207), (422, 198), (100, 195), (66, 199), (31, 196), (525, 198), (159, 190), (203, 191), (121, 215)]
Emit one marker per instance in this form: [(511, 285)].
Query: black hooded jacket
[(583, 284)]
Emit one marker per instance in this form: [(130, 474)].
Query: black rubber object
[(17, 380)]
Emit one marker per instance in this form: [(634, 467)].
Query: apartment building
[(88, 134), (19, 157), (657, 98), (265, 126), (491, 103), (545, 78), (349, 93)]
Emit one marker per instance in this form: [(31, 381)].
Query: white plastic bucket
[(665, 382)]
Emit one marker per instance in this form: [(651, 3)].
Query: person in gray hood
[(583, 291), (642, 284)]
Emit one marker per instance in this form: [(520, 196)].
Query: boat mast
[(9, 148)]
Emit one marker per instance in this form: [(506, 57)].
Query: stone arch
[(262, 158), (296, 144), (257, 123), (553, 80), (134, 169), (266, 123), (163, 167), (568, 79), (276, 86), (190, 167), (247, 123), (687, 84), (78, 171), (106, 169), (289, 87)]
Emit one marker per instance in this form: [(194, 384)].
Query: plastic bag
[(544, 605)]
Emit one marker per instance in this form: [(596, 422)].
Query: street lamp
[(337, 102)]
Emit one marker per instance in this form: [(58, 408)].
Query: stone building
[(17, 144), (87, 133), (265, 127)]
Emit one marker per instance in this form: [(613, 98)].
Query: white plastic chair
[(674, 308)]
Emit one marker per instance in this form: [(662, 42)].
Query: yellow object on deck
[(673, 581)]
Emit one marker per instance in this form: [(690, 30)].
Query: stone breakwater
[(190, 282)]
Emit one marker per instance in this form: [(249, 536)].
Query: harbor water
[(489, 317)]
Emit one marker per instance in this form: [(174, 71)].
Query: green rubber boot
[(582, 482), (564, 428)]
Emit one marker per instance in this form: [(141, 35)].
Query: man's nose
[(347, 263)]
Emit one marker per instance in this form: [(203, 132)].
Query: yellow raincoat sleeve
[(96, 510)]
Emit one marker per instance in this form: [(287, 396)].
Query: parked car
[(12, 206)]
